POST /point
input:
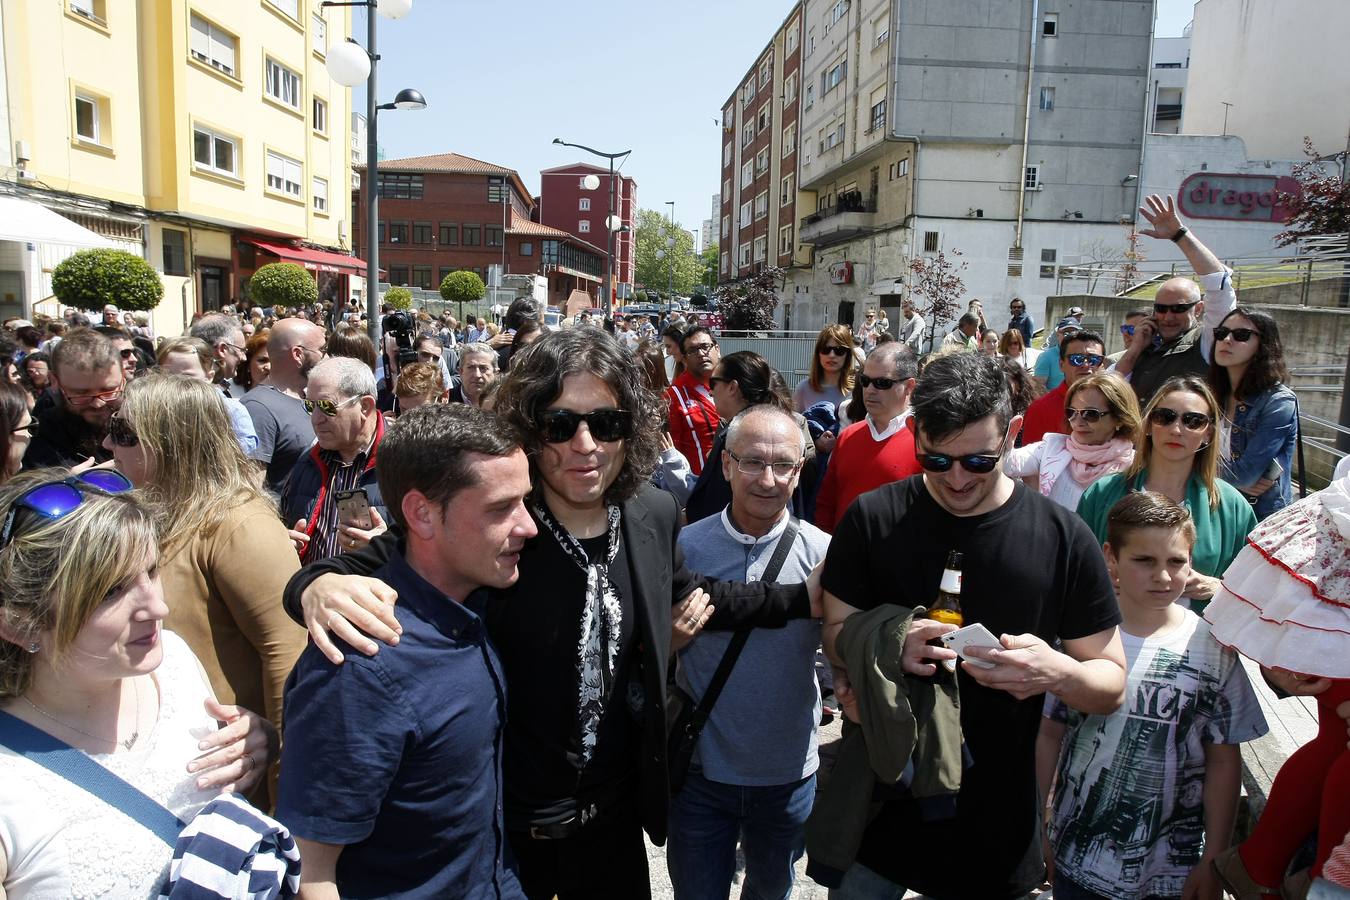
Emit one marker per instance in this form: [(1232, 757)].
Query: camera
[(399, 325)]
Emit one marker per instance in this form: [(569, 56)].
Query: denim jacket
[(1264, 428)]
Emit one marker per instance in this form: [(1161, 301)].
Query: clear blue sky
[(505, 78)]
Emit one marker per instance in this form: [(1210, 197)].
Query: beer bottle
[(947, 607)]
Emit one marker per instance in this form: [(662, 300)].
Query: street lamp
[(613, 223), (349, 64), (670, 242)]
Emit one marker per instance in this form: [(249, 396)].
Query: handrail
[(1324, 423)]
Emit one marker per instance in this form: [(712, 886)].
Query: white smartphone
[(975, 635)]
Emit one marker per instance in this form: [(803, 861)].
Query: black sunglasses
[(558, 426), (975, 464), (836, 351), (881, 384), (121, 433), (1241, 335), (1192, 421), (1089, 415), (1172, 307)]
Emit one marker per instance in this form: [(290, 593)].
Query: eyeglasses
[(1085, 359), (328, 407), (699, 349), (31, 426), (321, 350), (127, 352), (881, 384), (975, 463), (1165, 416), (56, 499), (835, 351), (754, 468), (427, 356), (81, 400), (121, 433), (235, 347), (558, 426), (1089, 415), (1172, 307), (1241, 335)]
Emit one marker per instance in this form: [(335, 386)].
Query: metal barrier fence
[(787, 351)]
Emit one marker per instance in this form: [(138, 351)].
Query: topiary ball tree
[(462, 287), (283, 284), (398, 298), (90, 279)]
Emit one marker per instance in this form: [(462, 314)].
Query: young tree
[(937, 283), (398, 298), (653, 232), (748, 304), (462, 287), (90, 279), (1322, 206), (283, 284)]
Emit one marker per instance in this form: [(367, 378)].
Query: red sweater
[(860, 464), (693, 419), (1046, 416)]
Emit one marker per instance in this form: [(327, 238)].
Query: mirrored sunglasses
[(53, 500)]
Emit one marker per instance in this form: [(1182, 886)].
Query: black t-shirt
[(1029, 566), (536, 626)]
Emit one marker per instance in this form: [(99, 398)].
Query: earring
[(1202, 446), (33, 647)]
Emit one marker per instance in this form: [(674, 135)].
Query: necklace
[(127, 744)]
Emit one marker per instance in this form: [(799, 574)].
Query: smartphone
[(975, 635), (354, 508)]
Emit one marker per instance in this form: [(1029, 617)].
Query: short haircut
[(903, 363), (351, 342), (759, 414), (354, 378), (1141, 312), (476, 347), (429, 450), (1146, 509), (427, 337), (188, 345), (84, 350), (215, 329), (968, 319), (521, 309), (420, 380), (1083, 335), (697, 329), (958, 390)]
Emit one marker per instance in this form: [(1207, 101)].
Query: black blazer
[(650, 527)]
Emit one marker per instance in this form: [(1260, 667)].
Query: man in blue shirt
[(391, 773), (1020, 319)]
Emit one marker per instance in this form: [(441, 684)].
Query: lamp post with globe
[(350, 64), (613, 223)]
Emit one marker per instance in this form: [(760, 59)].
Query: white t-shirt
[(59, 842)]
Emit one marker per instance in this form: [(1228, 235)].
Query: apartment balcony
[(850, 217)]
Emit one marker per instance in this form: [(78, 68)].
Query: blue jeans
[(706, 818)]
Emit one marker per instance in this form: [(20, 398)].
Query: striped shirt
[(342, 476)]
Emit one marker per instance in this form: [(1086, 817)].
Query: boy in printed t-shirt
[(1145, 798)]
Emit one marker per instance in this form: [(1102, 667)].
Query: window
[(878, 116), (1047, 98), (882, 28), (498, 190), (722, 267), (931, 241), (836, 13), (790, 89), (398, 275), (421, 277), (581, 183), (1050, 25), (421, 233), (584, 226), (762, 161), (1048, 267), (761, 204), (744, 220), (811, 43), (747, 133), (398, 232), (320, 115), (175, 251), (526, 248), (319, 25), (763, 117), (726, 154), (1032, 178), (726, 191), (745, 254), (832, 138), (211, 45), (319, 192), (765, 73), (289, 7), (750, 90), (87, 119), (285, 175), (400, 186), (283, 85), (441, 273), (380, 226), (786, 193), (789, 140), (493, 236), (761, 248), (833, 76), (584, 204), (810, 96), (89, 9), (449, 234), (792, 37), (726, 225), (785, 240), (747, 173), (471, 233), (898, 169)]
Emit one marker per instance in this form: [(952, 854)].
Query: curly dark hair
[(536, 380), (1266, 369)]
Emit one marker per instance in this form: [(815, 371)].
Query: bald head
[(295, 346), (1176, 292)]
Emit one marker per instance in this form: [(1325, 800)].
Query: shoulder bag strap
[(1298, 440), (733, 652), (81, 771)]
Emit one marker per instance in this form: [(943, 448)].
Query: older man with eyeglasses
[(316, 501), (87, 374)]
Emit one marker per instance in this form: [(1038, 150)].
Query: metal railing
[(787, 351), (850, 206)]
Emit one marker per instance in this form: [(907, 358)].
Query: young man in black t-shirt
[(1033, 575)]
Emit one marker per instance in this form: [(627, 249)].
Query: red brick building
[(564, 203), (442, 213)]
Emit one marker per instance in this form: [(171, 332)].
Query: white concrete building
[(1171, 67)]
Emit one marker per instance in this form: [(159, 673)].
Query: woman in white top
[(1104, 422), (83, 658), (1012, 346)]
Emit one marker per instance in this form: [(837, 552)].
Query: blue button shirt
[(398, 756)]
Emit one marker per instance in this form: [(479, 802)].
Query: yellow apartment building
[(205, 135)]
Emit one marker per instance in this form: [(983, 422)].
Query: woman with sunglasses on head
[(1260, 413), (1104, 425), (1177, 456), (85, 665), (225, 556)]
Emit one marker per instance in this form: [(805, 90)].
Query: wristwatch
[(1176, 238)]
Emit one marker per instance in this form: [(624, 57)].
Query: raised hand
[(1161, 213)]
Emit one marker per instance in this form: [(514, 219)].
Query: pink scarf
[(1093, 461)]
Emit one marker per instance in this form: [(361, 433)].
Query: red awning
[(314, 260)]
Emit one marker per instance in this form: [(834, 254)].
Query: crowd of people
[(468, 613)]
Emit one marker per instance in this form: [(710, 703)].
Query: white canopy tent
[(24, 220), (33, 239)]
